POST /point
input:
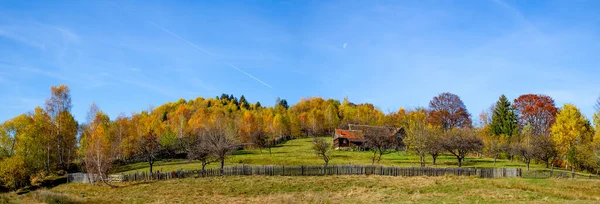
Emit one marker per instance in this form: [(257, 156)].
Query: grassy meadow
[(299, 152), (328, 189), (324, 189)]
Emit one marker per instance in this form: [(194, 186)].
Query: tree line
[(531, 128), (49, 140)]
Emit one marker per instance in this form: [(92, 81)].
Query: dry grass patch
[(339, 189)]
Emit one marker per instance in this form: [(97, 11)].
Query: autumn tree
[(197, 149), (150, 148), (332, 119), (589, 157), (218, 142), (97, 143), (544, 149), (119, 134), (418, 135), (247, 126), (281, 125), (8, 138), (58, 107), (571, 131), (494, 146), (526, 146), (180, 121), (13, 172), (21, 152), (260, 139), (435, 143), (461, 141), (537, 111), (295, 129), (41, 136), (379, 141), (322, 148), (448, 111), (597, 121)]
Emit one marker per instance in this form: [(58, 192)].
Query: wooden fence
[(247, 170)]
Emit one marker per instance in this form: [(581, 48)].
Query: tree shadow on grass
[(244, 152)]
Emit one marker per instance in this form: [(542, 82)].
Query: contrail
[(246, 73), (208, 53)]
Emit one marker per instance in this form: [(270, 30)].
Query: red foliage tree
[(536, 110), (448, 111)]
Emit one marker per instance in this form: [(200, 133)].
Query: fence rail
[(322, 171)]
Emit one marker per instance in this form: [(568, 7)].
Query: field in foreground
[(334, 189)]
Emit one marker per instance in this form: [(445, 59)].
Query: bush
[(4, 199), (51, 197), (13, 173)]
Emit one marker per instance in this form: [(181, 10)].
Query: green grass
[(333, 189), (327, 189), (298, 152)]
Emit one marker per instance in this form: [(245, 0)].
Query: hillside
[(299, 152)]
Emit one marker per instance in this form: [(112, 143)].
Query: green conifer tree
[(504, 119)]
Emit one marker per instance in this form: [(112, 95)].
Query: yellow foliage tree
[(570, 131), (597, 126), (97, 154)]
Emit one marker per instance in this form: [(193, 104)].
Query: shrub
[(37, 179), (4, 199), (13, 172)]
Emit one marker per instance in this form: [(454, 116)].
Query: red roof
[(350, 134)]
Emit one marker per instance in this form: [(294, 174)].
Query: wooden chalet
[(347, 138), (355, 135)]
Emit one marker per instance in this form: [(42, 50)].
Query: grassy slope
[(298, 152), (338, 189)]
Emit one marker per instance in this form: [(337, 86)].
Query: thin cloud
[(345, 45), (149, 86), (517, 15), (208, 53), (50, 74), (19, 38)]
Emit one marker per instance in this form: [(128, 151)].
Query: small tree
[(149, 148), (526, 150), (97, 147), (418, 134), (322, 149), (495, 145), (198, 150), (434, 144), (218, 143), (13, 172), (461, 141), (379, 140), (260, 140), (544, 149)]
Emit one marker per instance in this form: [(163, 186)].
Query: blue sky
[(128, 55)]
